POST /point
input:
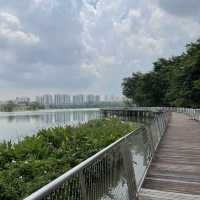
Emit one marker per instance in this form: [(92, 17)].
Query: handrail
[(193, 113), (112, 171), (57, 182)]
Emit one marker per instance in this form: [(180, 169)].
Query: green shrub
[(35, 161)]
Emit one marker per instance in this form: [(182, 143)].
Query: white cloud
[(11, 29), (143, 32), (89, 45), (9, 20), (46, 5), (18, 36), (38, 1), (123, 36)]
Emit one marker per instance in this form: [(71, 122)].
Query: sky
[(88, 46)]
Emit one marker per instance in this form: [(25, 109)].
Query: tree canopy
[(172, 82)]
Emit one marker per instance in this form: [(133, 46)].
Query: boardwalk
[(176, 165)]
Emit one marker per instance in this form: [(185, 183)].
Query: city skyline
[(67, 98)]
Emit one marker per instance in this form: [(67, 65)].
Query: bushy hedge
[(36, 160)]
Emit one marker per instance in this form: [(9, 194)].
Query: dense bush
[(36, 160)]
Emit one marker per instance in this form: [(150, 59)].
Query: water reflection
[(106, 179), (19, 124)]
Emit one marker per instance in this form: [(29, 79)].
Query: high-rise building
[(38, 99), (113, 98), (45, 100), (57, 99), (78, 99), (90, 98), (97, 99), (62, 99), (22, 100), (67, 99)]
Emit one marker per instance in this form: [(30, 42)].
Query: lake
[(16, 125)]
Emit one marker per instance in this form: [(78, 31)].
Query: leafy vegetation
[(173, 82), (35, 161)]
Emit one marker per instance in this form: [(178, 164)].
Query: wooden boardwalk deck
[(176, 165)]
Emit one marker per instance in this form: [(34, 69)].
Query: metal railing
[(192, 113), (116, 172)]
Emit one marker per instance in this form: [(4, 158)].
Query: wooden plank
[(147, 194), (176, 165), (171, 185), (174, 175)]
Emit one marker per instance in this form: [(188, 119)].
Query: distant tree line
[(101, 104), (172, 82), (11, 106), (8, 107)]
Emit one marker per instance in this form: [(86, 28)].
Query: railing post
[(129, 171), (82, 185), (157, 125), (150, 135)]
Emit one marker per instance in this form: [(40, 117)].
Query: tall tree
[(174, 81)]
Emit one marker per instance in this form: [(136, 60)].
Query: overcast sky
[(88, 46)]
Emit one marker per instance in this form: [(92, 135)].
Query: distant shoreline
[(98, 106), (50, 110)]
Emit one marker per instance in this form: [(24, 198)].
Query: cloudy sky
[(88, 46)]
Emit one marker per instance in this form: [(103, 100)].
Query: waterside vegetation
[(35, 161)]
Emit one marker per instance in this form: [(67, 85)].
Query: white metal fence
[(116, 172)]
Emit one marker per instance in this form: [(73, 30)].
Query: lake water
[(16, 125)]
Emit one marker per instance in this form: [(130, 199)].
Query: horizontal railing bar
[(60, 180)]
